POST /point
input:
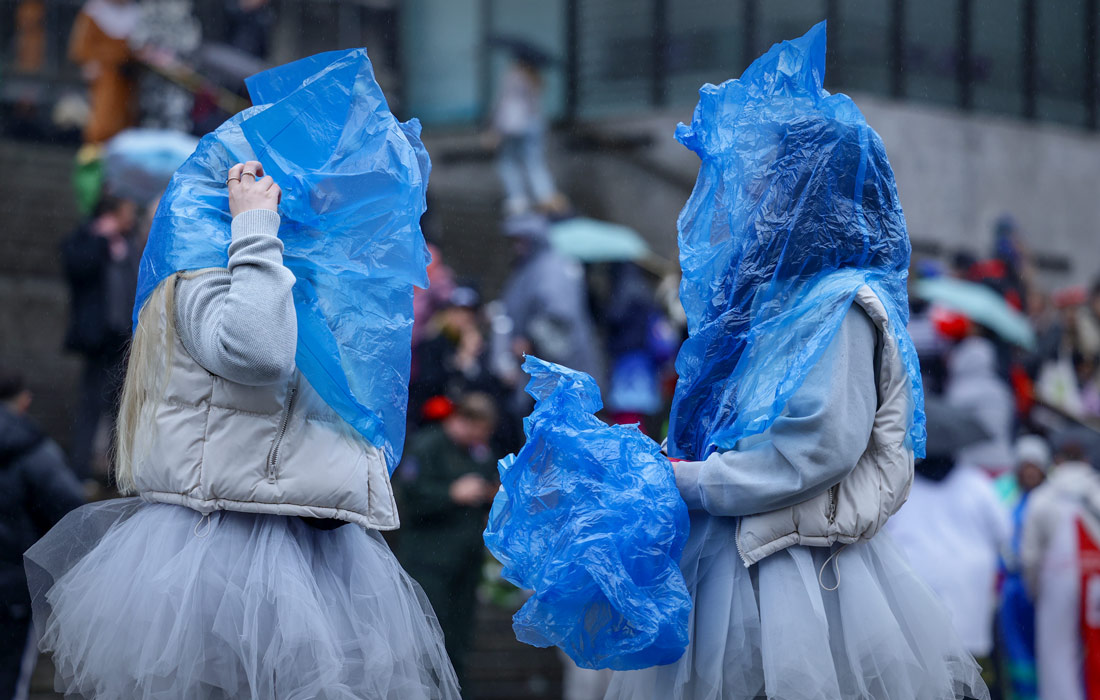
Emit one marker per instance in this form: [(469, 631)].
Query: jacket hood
[(17, 436), (1074, 478), (973, 357)]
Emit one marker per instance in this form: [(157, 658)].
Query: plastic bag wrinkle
[(354, 182), (795, 208), (588, 517)]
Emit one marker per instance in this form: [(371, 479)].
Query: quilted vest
[(219, 445), (856, 508)]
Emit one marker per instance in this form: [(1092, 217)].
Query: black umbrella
[(523, 50), (227, 66)]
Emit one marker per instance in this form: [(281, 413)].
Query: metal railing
[(1023, 58)]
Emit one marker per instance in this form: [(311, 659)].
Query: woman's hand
[(250, 189)]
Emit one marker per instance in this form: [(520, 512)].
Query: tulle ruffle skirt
[(778, 631), (153, 601)]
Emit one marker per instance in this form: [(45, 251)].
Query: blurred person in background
[(100, 261), (547, 300), (250, 25), (447, 482), (30, 36), (169, 32), (975, 387), (1016, 616), (1071, 476), (519, 132), (441, 282), (953, 528), (1060, 554), (36, 490), (1009, 269), (99, 44), (453, 359), (640, 340)]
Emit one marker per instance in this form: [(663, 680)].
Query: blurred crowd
[(143, 63), (1000, 520), (1003, 520)]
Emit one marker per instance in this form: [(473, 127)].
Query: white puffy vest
[(219, 445), (857, 507)]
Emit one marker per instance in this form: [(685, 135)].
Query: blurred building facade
[(987, 107)]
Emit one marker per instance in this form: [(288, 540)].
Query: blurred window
[(930, 55), (442, 49), (997, 56), (785, 19), (861, 41), (706, 44), (615, 47), (1060, 82)]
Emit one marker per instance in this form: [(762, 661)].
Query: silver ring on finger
[(249, 172), (229, 180)]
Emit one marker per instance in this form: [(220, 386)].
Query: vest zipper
[(831, 513), (273, 455), (737, 541)]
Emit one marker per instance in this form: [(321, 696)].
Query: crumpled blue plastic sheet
[(588, 517), (353, 180), (795, 208)]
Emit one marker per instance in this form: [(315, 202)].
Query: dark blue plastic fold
[(795, 208), (354, 182), (588, 517)]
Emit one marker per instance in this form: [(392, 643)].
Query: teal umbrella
[(594, 241), (981, 305)]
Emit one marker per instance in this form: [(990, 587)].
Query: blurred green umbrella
[(981, 305), (593, 241)]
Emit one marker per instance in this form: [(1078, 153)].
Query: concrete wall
[(957, 174)]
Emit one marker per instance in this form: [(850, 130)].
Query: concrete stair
[(37, 212)]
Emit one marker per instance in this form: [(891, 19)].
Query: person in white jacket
[(953, 530), (251, 565), (1051, 556)]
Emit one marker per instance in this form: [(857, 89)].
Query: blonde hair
[(147, 372)]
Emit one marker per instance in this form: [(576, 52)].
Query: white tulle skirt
[(776, 630), (139, 600)]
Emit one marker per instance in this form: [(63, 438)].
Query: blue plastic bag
[(795, 208), (353, 180), (588, 516)]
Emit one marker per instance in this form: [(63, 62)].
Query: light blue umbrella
[(138, 163), (594, 241), (981, 305)]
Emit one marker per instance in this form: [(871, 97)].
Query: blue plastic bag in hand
[(588, 517), (353, 180), (795, 208)]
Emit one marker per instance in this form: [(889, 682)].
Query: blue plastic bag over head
[(588, 517), (794, 209), (353, 181)]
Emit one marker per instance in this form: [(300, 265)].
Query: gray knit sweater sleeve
[(239, 323)]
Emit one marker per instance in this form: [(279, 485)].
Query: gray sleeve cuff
[(255, 221), (687, 481)]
